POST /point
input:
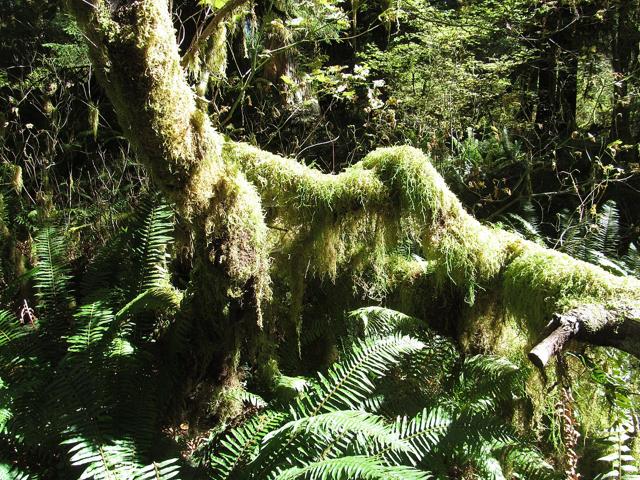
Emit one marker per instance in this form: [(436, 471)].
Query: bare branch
[(596, 324)]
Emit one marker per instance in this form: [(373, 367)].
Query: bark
[(599, 325), (332, 224)]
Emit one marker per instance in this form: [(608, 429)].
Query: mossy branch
[(209, 29), (534, 284), (133, 47), (393, 195)]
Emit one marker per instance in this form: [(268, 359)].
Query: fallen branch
[(598, 325)]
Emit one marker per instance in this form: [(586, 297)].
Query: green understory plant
[(79, 396), (356, 419), (596, 238)]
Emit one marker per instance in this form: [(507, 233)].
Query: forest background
[(529, 110)]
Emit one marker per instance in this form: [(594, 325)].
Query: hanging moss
[(394, 188), (395, 197)]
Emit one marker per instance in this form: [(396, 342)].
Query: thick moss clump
[(394, 201), (539, 282), (394, 197)]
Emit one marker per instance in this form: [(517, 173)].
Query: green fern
[(102, 461), (353, 467), (527, 462), (325, 414), (594, 239), (240, 445), (622, 464), (383, 321), (328, 426), (329, 431), (422, 432), (93, 322), (631, 260), (96, 399), (11, 332), (9, 472), (151, 237), (159, 470), (52, 274), (608, 229), (349, 383)]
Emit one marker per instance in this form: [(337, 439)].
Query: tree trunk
[(336, 225), (624, 59), (558, 73), (134, 50)]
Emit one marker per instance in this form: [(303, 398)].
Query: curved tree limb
[(585, 302), (392, 197)]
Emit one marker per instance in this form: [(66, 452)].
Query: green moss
[(486, 327), (364, 208), (539, 282), (301, 193), (356, 222), (363, 223)]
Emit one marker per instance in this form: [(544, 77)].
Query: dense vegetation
[(177, 303)]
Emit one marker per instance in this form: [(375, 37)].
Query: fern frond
[(350, 468), (159, 471), (9, 472), (251, 399), (151, 236), (622, 463), (527, 224), (422, 432), (20, 350), (327, 426), (93, 322), (529, 463), (240, 445), (162, 298), (485, 380), (142, 313), (631, 260), (349, 383), (328, 435), (109, 461), (10, 329), (52, 273), (488, 467), (607, 235), (102, 279), (384, 321)]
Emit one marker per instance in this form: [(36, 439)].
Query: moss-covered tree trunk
[(371, 218), (134, 50)]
